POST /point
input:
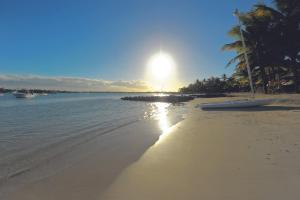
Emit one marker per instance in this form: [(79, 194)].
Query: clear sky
[(111, 40)]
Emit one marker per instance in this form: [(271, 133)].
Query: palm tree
[(254, 31), (272, 39), (286, 25)]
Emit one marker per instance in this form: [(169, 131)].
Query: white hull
[(24, 95), (238, 104)]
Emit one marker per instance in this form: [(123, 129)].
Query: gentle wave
[(36, 131)]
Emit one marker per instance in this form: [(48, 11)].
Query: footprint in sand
[(268, 156), (274, 163)]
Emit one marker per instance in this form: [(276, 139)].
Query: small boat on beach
[(24, 95), (246, 103)]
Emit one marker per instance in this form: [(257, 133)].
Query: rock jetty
[(168, 99), (209, 95)]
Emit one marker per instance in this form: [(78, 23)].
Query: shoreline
[(214, 155), (131, 140), (110, 153), (209, 155), (57, 126)]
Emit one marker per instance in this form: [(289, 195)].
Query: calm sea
[(29, 126)]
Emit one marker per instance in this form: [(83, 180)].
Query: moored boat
[(24, 95)]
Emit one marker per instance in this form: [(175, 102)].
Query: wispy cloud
[(70, 83)]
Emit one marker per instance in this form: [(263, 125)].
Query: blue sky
[(113, 39)]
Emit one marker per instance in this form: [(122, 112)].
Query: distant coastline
[(8, 90)]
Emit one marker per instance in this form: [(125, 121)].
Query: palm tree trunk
[(262, 69), (264, 79), (277, 75), (296, 79), (273, 74)]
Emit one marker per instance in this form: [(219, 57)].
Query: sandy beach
[(132, 100), (239, 154)]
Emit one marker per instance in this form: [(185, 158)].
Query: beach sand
[(213, 155)]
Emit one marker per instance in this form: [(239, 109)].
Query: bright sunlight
[(161, 66), (161, 70)]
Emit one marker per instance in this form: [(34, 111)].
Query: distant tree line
[(38, 91), (272, 37), (216, 85)]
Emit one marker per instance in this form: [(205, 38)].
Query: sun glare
[(161, 66)]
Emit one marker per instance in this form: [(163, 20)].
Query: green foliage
[(272, 37), (216, 85)]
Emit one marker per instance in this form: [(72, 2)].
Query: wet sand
[(212, 155)]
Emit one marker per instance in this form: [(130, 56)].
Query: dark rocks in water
[(168, 99), (214, 95)]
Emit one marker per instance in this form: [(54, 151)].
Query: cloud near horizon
[(71, 84)]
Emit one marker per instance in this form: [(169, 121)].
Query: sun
[(161, 66)]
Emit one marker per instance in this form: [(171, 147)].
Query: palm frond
[(235, 46), (235, 32), (260, 8), (241, 66), (235, 59), (289, 7)]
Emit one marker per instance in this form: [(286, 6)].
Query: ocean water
[(28, 127)]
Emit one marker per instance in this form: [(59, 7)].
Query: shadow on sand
[(255, 109)]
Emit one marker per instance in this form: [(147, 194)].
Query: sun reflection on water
[(162, 116), (159, 111)]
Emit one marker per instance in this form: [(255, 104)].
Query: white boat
[(24, 95), (245, 103)]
